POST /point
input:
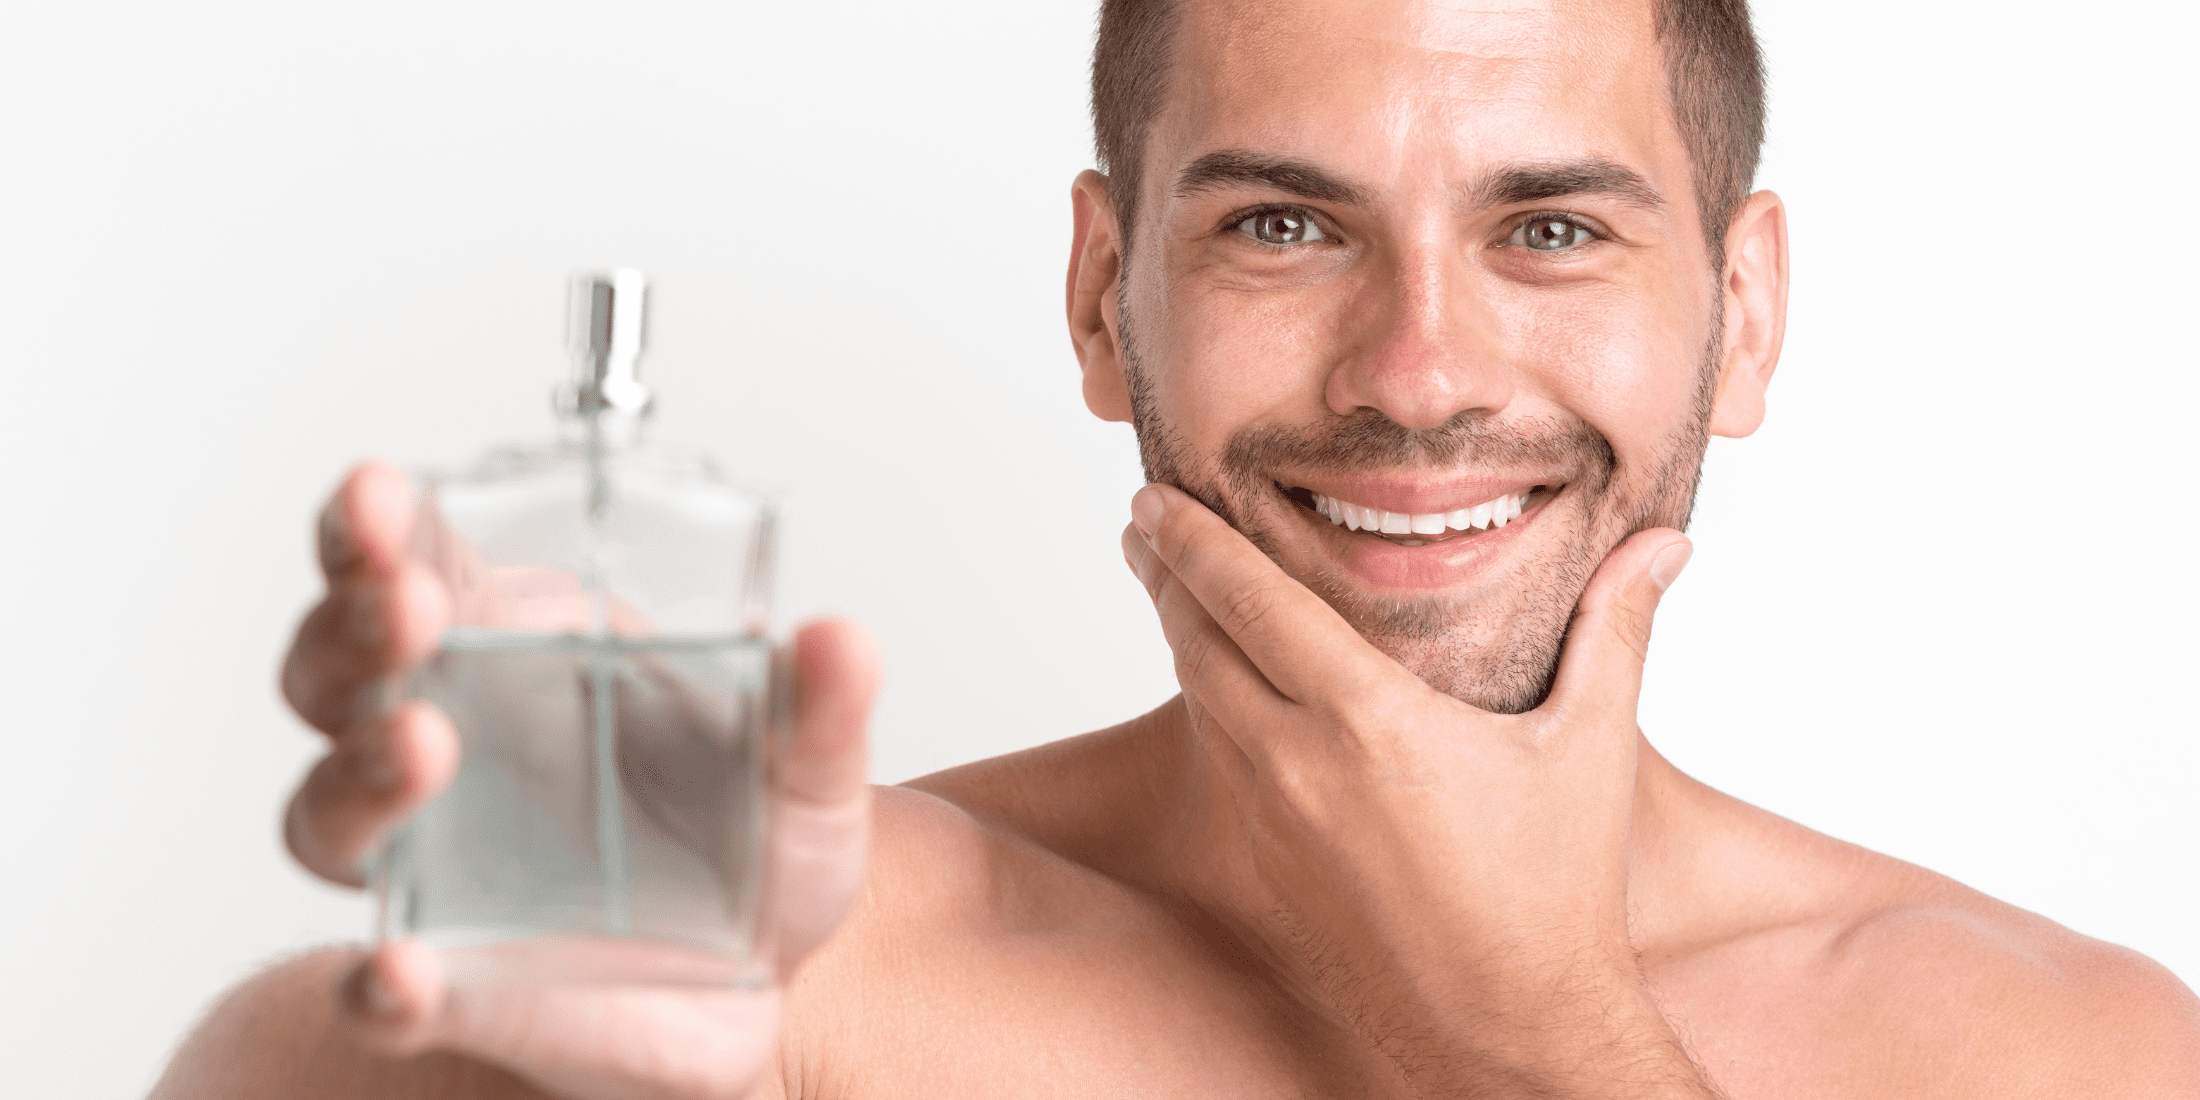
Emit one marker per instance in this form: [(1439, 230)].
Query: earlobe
[(1755, 286), (1095, 267)]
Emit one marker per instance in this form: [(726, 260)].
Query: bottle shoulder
[(557, 459)]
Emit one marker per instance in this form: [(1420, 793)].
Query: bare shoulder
[(993, 847), (2021, 1003), (1851, 973), (963, 913), (944, 864), (931, 869), (937, 870)]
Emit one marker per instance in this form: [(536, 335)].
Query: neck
[(1188, 842)]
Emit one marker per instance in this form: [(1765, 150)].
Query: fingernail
[(1146, 509), (1667, 566)]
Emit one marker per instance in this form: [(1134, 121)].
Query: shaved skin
[(1400, 835)]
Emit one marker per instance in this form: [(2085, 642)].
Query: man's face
[(1432, 261)]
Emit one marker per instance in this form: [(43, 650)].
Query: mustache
[(1369, 440)]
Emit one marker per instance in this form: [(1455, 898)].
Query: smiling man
[(1424, 314)]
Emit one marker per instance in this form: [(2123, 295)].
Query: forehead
[(1387, 89)]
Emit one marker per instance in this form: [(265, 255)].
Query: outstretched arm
[(383, 1023)]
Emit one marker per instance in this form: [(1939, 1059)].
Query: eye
[(1283, 225), (1552, 233)]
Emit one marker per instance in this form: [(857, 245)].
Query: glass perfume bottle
[(607, 673)]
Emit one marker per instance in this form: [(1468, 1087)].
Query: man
[(1423, 315)]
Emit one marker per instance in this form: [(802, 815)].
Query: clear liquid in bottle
[(608, 676)]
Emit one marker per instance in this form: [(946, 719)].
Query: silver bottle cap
[(609, 316)]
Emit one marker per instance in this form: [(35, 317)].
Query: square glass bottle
[(607, 672)]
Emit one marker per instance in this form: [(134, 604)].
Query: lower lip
[(1382, 564)]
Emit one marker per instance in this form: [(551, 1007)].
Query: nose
[(1420, 348)]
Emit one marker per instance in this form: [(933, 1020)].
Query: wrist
[(1533, 1023)]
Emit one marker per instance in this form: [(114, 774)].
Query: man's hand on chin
[(1452, 881)]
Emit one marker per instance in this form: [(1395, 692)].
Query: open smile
[(1422, 528)]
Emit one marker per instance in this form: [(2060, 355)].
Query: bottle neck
[(610, 430)]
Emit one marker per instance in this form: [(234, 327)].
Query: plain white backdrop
[(1942, 603)]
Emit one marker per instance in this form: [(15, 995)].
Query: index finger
[(380, 612), (1298, 641), (364, 527)]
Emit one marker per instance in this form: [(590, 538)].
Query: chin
[(1499, 660)]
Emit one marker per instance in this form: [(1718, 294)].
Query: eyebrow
[(1537, 181), (1239, 168)]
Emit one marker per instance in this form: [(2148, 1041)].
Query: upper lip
[(1417, 495)]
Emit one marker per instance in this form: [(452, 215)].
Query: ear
[(1756, 289), (1095, 267)]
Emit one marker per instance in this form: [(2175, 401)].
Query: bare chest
[(1085, 1015), (1080, 1015)]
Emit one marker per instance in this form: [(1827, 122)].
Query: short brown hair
[(1714, 80)]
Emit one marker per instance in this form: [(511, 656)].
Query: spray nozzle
[(609, 313)]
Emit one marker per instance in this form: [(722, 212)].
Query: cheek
[(1623, 364), (1224, 361)]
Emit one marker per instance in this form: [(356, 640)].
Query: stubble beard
[(1499, 651)]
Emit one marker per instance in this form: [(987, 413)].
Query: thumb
[(821, 838), (1600, 672), (574, 1038)]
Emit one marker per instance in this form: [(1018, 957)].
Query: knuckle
[(1181, 542), (1629, 623), (1180, 610), (1146, 565), (1357, 722), (1533, 742), (1245, 606), (1151, 576), (1301, 793), (1193, 652)]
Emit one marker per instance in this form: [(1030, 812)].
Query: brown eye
[(1282, 227), (1546, 234)]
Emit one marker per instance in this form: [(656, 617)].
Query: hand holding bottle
[(384, 613)]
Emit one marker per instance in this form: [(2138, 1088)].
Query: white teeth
[(1357, 517)]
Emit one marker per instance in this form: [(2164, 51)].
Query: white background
[(1941, 604)]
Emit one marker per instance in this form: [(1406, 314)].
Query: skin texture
[(1400, 834)]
